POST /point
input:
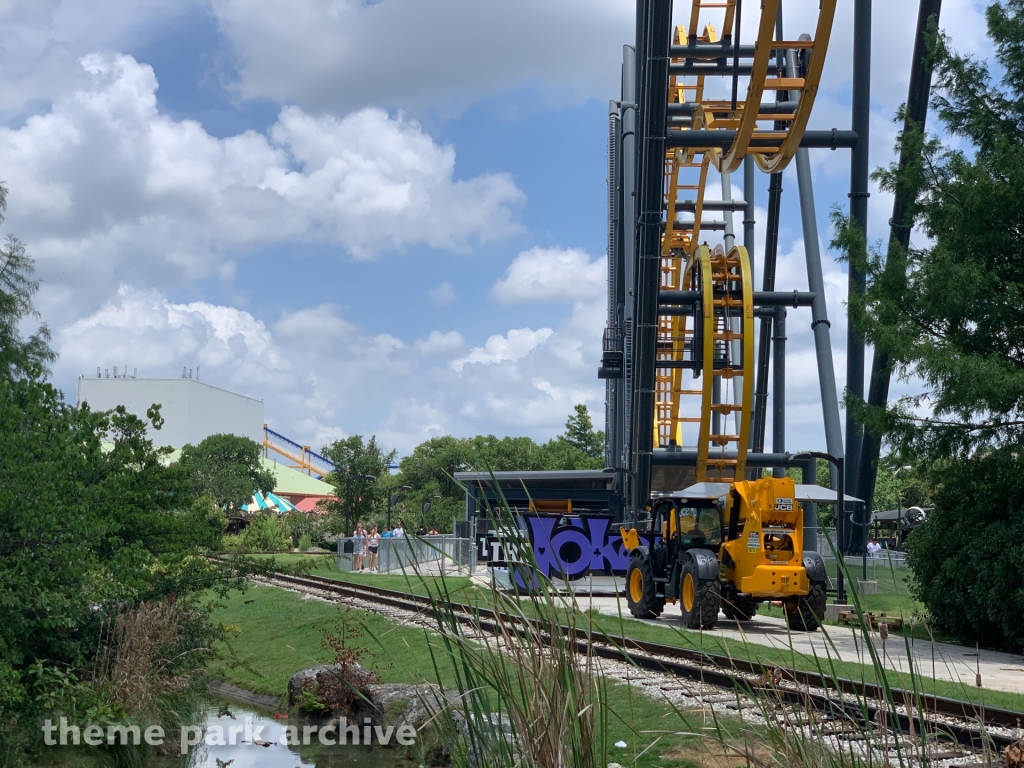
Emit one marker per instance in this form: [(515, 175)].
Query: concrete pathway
[(943, 661)]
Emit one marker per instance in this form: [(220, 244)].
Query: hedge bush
[(968, 557)]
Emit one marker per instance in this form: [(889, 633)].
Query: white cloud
[(413, 54), (323, 376), (552, 275), (44, 38), (107, 189), (443, 294), (511, 347), (438, 343)]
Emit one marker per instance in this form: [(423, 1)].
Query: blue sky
[(381, 218)]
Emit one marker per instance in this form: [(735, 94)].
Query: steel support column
[(820, 325), (612, 386), (771, 248), (653, 124), (859, 172), (749, 212), (628, 241), (779, 386), (899, 235)]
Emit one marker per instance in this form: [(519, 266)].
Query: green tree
[(87, 532), (227, 468), (19, 357), (507, 454), (580, 446), (356, 459), (430, 471), (951, 311), (581, 435)]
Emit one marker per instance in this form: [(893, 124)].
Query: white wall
[(191, 409)]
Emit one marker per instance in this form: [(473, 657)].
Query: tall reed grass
[(529, 694)]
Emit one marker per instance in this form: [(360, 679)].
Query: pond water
[(239, 751)]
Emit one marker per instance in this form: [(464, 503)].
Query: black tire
[(699, 599), (805, 613), (641, 591), (740, 607)]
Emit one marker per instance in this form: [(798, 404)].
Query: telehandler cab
[(728, 546)]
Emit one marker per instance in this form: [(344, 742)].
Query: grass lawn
[(461, 590), (324, 566), (277, 635), (712, 643)]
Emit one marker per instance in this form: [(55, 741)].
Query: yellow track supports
[(718, 346)]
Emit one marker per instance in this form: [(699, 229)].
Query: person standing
[(373, 547), (874, 548), (400, 530), (358, 547)]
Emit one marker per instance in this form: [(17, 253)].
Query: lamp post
[(348, 497), (426, 508), (899, 507), (393, 499), (838, 463)]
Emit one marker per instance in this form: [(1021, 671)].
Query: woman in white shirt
[(358, 547), (373, 547)]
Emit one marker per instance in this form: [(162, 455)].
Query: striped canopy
[(270, 501)]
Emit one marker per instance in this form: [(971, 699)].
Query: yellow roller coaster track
[(718, 346)]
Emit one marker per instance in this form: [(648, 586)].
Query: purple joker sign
[(578, 547)]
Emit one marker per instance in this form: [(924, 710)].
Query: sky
[(378, 216)]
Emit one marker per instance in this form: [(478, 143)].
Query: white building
[(191, 409)]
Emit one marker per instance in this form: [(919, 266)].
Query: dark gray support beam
[(656, 38), (748, 218), (771, 247), (713, 70), (833, 139), (761, 298), (820, 326), (713, 51), (611, 399), (779, 387), (628, 241), (859, 172), (809, 476), (690, 206), (668, 457), (710, 226), (899, 236), (710, 51), (687, 311), (773, 108)]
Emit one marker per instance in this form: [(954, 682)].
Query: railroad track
[(980, 731)]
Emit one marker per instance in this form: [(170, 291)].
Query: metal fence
[(429, 554), (887, 572)]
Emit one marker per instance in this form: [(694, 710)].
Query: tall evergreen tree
[(950, 309), (19, 357)]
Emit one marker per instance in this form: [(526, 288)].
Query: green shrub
[(266, 533), (968, 556), (304, 543)]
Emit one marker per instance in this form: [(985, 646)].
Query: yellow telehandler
[(727, 546)]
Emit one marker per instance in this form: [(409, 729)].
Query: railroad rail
[(975, 727)]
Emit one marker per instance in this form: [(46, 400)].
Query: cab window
[(702, 521)]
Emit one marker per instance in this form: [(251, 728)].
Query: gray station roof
[(812, 493), (579, 479)]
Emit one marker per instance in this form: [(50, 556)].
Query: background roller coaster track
[(964, 722)]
